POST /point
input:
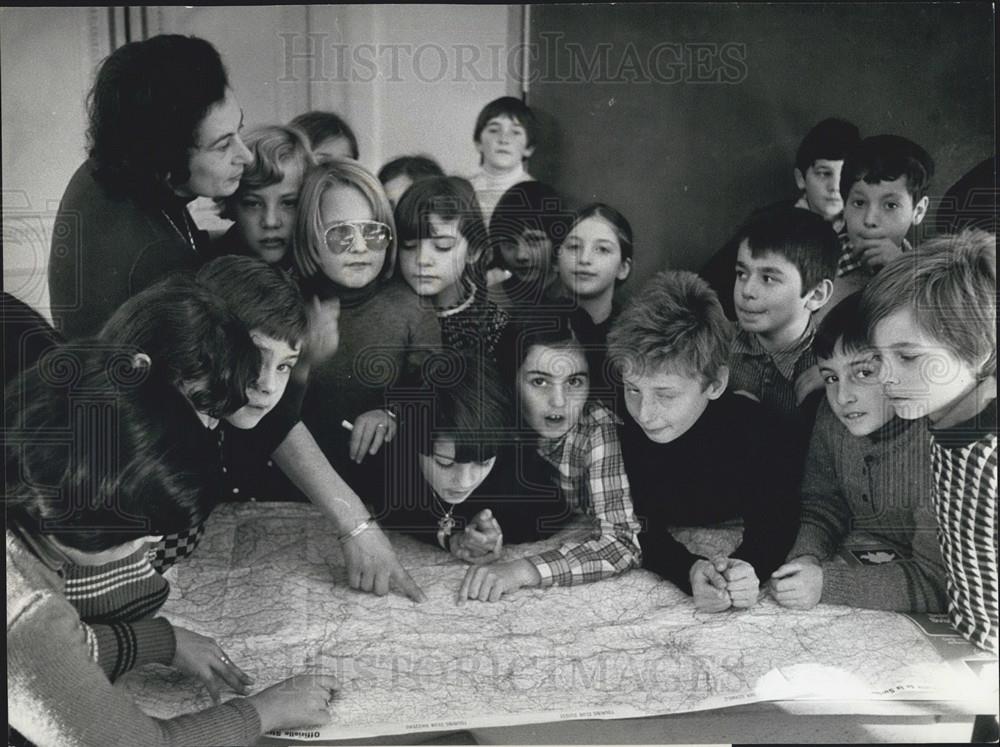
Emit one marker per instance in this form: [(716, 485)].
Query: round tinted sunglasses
[(341, 236)]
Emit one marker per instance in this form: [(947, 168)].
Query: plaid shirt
[(591, 474), (770, 377)]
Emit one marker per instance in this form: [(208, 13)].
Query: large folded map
[(268, 583)]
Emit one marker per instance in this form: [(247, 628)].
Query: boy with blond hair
[(671, 345), (932, 316), (264, 206)]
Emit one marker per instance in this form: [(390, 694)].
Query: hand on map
[(741, 583), (201, 657), (808, 381), (371, 430), (798, 584), (295, 703), (488, 583), (708, 585), (372, 564), (481, 541)]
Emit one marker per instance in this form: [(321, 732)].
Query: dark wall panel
[(686, 117)]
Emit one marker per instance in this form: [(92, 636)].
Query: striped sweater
[(57, 695), (117, 601), (879, 484), (964, 459)]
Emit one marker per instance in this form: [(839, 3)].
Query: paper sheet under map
[(268, 583)]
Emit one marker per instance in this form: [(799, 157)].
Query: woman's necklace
[(446, 524), (187, 231)]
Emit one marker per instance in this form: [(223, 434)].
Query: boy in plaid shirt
[(578, 441), (785, 267)]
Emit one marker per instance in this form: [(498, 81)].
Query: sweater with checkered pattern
[(964, 459)]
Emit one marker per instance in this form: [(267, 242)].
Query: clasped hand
[(480, 542), (722, 582)]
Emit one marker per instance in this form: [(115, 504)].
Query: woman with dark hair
[(67, 503), (164, 129)]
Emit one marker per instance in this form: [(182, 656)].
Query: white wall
[(450, 60), (415, 78), (47, 58)]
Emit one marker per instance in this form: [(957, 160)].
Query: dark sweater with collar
[(880, 484), (106, 247), (730, 464)]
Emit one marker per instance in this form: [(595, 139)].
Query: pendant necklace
[(184, 236), (445, 524)]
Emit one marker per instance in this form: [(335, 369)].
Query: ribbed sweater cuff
[(811, 541), (122, 647), (241, 714), (839, 584), (157, 644)]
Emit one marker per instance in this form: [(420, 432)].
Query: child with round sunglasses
[(345, 253), (442, 252)]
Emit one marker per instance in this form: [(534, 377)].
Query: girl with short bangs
[(442, 254)]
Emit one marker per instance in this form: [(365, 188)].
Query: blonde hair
[(309, 228), (674, 323), (949, 285), (275, 148)]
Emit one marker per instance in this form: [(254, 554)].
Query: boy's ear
[(818, 296), (529, 151), (920, 210), (800, 179), (715, 389), (625, 270), (141, 360), (472, 257)]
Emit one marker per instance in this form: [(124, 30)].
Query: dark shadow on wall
[(687, 117)]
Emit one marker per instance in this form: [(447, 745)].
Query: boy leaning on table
[(725, 455)]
